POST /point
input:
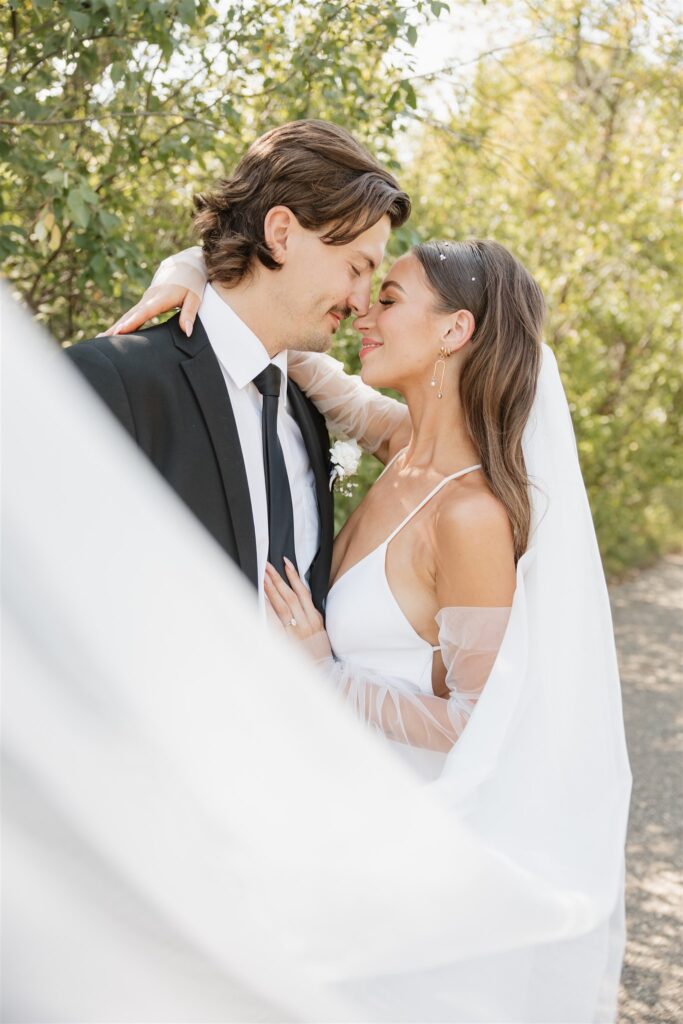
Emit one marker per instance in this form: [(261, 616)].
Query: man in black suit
[(290, 242)]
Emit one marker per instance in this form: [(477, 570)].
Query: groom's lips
[(368, 345), (336, 317)]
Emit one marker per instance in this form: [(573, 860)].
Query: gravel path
[(648, 620)]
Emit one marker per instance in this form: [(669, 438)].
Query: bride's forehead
[(405, 268)]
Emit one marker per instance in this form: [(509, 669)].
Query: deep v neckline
[(404, 522), (355, 566)]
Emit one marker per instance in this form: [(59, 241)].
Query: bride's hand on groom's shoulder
[(159, 298), (294, 608)]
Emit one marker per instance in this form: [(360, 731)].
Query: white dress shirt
[(242, 357)]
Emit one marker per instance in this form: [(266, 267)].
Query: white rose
[(345, 456)]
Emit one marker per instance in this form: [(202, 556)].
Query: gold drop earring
[(439, 370)]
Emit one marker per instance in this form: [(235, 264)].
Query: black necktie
[(279, 496)]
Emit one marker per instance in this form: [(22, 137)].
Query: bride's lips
[(369, 344)]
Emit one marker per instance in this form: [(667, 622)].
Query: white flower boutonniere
[(345, 456)]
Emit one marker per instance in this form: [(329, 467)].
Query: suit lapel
[(316, 441), (205, 377)]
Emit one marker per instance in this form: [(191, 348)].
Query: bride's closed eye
[(386, 302)]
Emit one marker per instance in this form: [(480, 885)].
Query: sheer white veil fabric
[(541, 771), (194, 829)]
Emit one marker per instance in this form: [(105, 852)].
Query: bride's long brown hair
[(500, 371)]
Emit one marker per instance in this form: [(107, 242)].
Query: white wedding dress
[(195, 828), (376, 648), (365, 623)]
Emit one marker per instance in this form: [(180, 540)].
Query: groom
[(290, 242)]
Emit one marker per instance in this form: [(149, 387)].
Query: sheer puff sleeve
[(351, 408), (469, 641), (185, 269)]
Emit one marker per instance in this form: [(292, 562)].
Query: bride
[(468, 621)]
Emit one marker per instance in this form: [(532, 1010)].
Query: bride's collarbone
[(380, 512), (385, 506)]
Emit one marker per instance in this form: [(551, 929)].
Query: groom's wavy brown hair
[(316, 169), (499, 373)]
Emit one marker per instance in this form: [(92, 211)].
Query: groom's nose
[(359, 299)]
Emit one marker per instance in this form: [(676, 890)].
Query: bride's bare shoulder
[(472, 512), (475, 549)]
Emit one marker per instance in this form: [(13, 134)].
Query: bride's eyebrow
[(392, 284)]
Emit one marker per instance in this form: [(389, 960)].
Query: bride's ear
[(458, 330), (278, 228)]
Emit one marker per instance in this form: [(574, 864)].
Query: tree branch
[(14, 21), (60, 50), (449, 68), (110, 116)]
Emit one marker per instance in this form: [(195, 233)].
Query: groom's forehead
[(369, 246)]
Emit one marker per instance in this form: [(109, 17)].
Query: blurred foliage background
[(561, 139)]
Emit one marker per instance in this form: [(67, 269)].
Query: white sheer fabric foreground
[(195, 828)]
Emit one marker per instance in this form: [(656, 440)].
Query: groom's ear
[(278, 228)]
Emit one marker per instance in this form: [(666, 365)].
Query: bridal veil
[(196, 829)]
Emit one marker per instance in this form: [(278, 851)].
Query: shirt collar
[(241, 354)]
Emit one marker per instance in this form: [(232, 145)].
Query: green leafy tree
[(113, 113), (567, 149), (564, 145)]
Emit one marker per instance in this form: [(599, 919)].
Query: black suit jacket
[(168, 391)]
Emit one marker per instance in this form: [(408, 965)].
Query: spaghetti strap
[(435, 490)]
